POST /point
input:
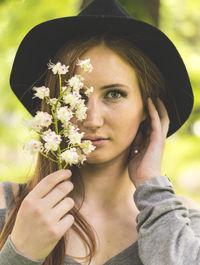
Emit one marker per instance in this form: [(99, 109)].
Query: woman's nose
[(94, 113)]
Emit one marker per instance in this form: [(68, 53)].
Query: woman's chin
[(98, 157), (95, 159)]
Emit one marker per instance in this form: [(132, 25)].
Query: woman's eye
[(115, 94)]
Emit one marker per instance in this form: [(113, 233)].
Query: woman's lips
[(97, 142)]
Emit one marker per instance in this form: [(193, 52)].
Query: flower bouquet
[(68, 103)]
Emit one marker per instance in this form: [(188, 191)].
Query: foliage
[(179, 19), (17, 18)]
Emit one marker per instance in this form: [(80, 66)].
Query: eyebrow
[(114, 85)]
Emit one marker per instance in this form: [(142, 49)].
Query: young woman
[(117, 208)]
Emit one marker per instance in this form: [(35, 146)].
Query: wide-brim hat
[(101, 16)]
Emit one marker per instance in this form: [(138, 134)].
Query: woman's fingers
[(159, 118), (155, 119), (39, 226), (62, 208), (49, 182), (57, 194), (164, 118)]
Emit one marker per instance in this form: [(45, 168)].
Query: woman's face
[(115, 108)]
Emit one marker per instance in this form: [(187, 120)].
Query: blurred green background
[(179, 19)]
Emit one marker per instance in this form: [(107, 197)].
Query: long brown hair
[(151, 84)]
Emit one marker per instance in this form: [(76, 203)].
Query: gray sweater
[(168, 233)]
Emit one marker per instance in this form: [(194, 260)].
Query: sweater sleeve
[(10, 256), (168, 232)]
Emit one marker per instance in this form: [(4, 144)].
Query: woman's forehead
[(106, 64)]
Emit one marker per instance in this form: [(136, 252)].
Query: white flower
[(76, 82), (81, 110), (74, 136), (81, 115), (73, 128), (64, 114), (87, 147), (67, 89), (52, 140), (53, 102), (70, 156), (85, 64), (41, 119), (34, 125), (44, 119), (89, 91), (81, 156), (41, 92), (34, 146), (58, 68), (72, 99)]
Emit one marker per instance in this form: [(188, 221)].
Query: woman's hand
[(147, 163), (43, 216)]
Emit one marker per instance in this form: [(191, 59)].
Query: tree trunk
[(152, 8), (84, 3)]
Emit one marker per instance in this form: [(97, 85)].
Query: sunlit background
[(179, 19)]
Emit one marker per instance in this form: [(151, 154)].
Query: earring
[(136, 151)]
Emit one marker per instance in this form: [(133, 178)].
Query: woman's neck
[(107, 185)]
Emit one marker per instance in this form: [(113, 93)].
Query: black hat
[(101, 16)]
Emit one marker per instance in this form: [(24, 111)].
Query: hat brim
[(43, 41)]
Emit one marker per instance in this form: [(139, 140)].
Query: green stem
[(54, 154), (82, 72), (60, 81), (60, 165), (61, 95), (70, 147), (61, 131), (65, 165), (55, 122), (47, 99), (48, 157)]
